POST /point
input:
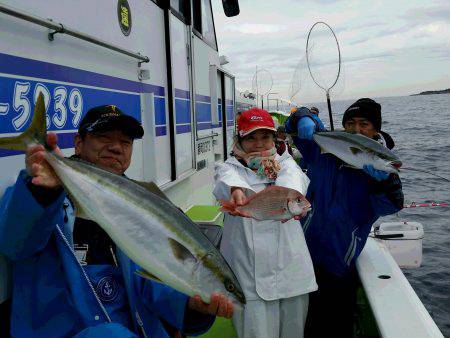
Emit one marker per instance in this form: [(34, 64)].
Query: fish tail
[(35, 134), (227, 206)]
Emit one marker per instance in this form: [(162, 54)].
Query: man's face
[(361, 126), (109, 150)]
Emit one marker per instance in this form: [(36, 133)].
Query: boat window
[(160, 3), (181, 9), (204, 22)]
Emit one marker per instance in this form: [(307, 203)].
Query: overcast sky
[(388, 48)]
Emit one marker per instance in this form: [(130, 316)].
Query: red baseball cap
[(253, 119)]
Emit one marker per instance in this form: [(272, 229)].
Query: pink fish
[(272, 203)]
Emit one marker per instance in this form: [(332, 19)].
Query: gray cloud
[(382, 33), (379, 41), (428, 14), (358, 58)]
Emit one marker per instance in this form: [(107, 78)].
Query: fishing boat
[(159, 62)]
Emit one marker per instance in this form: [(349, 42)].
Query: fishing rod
[(324, 87), (425, 205), (425, 171)]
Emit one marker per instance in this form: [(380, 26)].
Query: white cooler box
[(404, 241)]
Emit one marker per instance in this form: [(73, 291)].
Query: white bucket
[(404, 241)]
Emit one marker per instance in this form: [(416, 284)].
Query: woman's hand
[(237, 196), (237, 199)]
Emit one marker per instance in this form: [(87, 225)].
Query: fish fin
[(277, 212), (180, 251), (36, 132), (147, 275), (227, 206), (349, 166), (233, 209), (78, 210), (153, 188), (355, 150)]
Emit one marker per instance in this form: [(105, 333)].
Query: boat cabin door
[(181, 109)]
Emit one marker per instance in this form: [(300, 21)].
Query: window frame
[(185, 19), (199, 34)]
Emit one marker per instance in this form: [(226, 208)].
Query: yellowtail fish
[(147, 227), (273, 203), (358, 150)]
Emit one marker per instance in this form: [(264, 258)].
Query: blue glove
[(305, 128), (379, 175)]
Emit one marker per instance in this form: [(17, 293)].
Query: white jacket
[(270, 258)]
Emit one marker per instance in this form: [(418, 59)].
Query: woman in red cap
[(270, 258)]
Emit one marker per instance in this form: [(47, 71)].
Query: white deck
[(396, 308)]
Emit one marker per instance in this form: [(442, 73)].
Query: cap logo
[(110, 114), (353, 108), (256, 118)]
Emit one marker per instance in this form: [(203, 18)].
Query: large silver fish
[(149, 229), (357, 150)]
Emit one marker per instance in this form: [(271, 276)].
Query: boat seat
[(210, 221)]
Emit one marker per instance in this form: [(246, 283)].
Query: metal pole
[(330, 115), (256, 75), (59, 28)]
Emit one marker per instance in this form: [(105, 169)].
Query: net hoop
[(307, 56)]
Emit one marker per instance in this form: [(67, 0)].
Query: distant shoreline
[(430, 92)]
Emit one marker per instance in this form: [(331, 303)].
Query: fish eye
[(229, 285)]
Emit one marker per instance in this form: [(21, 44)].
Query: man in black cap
[(314, 110), (69, 277), (364, 117), (105, 138), (345, 204)]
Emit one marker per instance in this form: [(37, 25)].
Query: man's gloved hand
[(305, 128), (379, 175)]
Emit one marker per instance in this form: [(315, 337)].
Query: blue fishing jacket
[(345, 203), (54, 296)]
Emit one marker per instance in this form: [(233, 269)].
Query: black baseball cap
[(110, 117)]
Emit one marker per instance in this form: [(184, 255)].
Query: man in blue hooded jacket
[(345, 203), (69, 278)]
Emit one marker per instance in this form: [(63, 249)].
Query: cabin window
[(181, 9), (204, 22)]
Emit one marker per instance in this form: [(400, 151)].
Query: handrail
[(60, 28), (203, 137)]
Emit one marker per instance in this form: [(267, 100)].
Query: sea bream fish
[(272, 203), (149, 229), (358, 150)]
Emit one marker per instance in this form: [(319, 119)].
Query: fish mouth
[(241, 298), (395, 164)]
